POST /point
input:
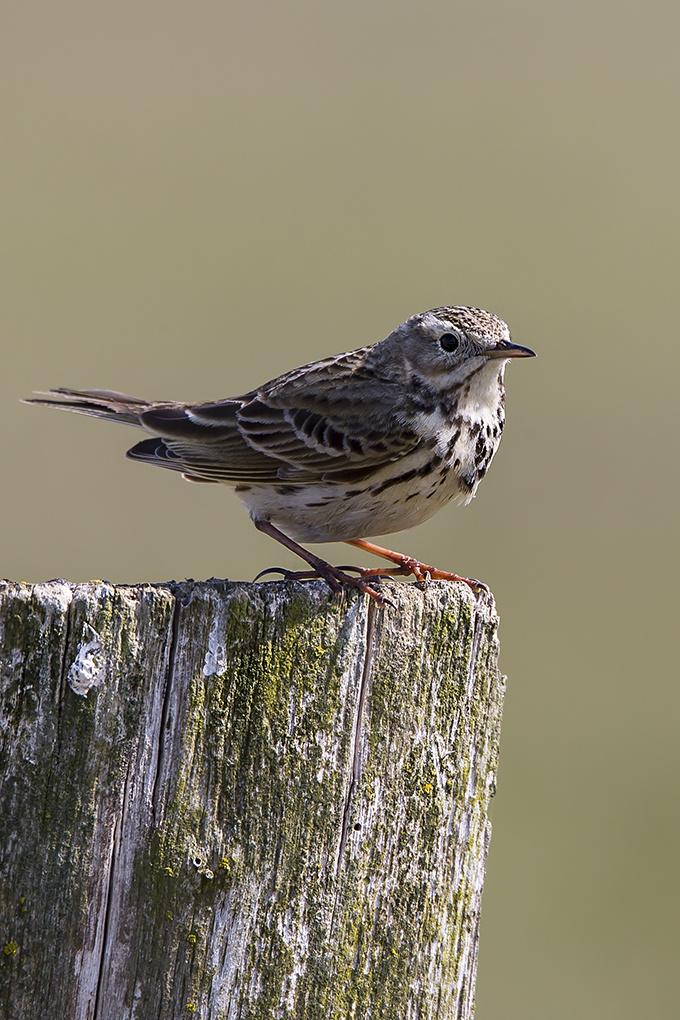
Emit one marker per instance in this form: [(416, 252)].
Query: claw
[(271, 570), (471, 582)]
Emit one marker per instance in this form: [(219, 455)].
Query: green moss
[(249, 824)]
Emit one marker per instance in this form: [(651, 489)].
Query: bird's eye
[(449, 341)]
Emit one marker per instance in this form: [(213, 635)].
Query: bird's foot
[(407, 565), (424, 572), (334, 577), (431, 573)]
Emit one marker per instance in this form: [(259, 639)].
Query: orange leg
[(409, 565)]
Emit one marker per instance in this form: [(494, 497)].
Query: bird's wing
[(332, 421), (335, 420)]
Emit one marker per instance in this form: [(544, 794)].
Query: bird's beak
[(506, 349)]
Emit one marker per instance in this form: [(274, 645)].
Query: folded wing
[(329, 421)]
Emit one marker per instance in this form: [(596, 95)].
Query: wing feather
[(334, 420)]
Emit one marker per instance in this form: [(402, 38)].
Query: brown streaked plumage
[(364, 443)]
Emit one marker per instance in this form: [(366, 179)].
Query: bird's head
[(452, 343)]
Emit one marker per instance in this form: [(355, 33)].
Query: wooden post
[(243, 800)]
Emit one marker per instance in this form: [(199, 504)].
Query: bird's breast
[(400, 495), (459, 434)]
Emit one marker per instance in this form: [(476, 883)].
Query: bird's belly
[(333, 512)]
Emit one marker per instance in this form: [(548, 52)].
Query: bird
[(364, 443)]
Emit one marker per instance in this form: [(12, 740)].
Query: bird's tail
[(97, 403)]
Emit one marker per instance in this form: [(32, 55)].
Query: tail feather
[(107, 404)]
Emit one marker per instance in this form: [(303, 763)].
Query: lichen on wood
[(244, 801)]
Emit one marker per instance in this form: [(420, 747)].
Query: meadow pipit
[(364, 443)]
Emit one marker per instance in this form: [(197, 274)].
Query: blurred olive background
[(199, 196)]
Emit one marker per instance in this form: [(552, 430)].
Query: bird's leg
[(409, 565), (333, 576)]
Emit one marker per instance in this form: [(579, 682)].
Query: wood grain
[(243, 801)]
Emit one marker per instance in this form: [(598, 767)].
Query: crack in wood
[(62, 674), (160, 755), (357, 734), (111, 894)]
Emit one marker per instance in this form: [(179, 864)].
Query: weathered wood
[(243, 801)]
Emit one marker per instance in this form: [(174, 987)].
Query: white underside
[(357, 516)]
